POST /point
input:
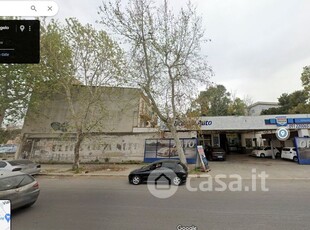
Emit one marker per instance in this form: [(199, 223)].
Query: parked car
[(208, 150), (173, 170), (265, 152), (23, 165), (218, 153), (20, 188), (289, 153)]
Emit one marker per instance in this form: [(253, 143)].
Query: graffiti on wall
[(57, 126), (94, 149)]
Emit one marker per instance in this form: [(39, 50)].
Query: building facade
[(256, 108), (116, 125), (124, 124)]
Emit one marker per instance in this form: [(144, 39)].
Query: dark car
[(208, 150), (218, 153), (22, 189), (172, 170)]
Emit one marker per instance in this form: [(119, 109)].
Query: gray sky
[(258, 47)]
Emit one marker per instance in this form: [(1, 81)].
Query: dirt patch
[(103, 167)]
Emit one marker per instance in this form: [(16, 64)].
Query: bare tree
[(85, 64), (248, 102), (164, 55), (96, 61)]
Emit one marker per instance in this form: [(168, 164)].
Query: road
[(94, 203)]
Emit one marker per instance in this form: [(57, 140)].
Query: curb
[(123, 175), (77, 175), (106, 175)]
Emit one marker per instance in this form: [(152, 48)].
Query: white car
[(289, 153), (23, 165), (265, 152)]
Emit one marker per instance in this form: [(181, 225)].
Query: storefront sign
[(281, 121), (156, 149), (303, 149), (292, 123), (299, 126), (206, 123)]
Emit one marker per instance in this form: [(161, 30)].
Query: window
[(169, 165), (248, 142), (216, 140), (2, 164), (15, 182)]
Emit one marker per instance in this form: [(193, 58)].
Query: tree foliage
[(96, 61), (290, 104), (76, 60), (15, 88), (305, 78), (19, 81), (164, 54), (237, 107), (214, 101)]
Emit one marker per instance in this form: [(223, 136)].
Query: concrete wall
[(112, 148), (116, 110), (99, 148)]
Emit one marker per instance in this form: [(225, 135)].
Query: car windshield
[(20, 162), (11, 182), (258, 148), (145, 167), (218, 150)]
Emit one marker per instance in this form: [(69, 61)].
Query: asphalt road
[(94, 203)]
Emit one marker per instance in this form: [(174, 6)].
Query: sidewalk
[(244, 166)]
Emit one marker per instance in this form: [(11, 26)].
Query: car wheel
[(262, 155), (176, 181), (295, 159), (136, 180)]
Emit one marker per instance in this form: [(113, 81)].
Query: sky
[(258, 48)]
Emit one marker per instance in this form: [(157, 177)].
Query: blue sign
[(156, 149), (303, 149), (283, 121), (302, 120)]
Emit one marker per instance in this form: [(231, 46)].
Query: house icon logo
[(160, 183)]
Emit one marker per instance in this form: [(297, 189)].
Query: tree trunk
[(178, 144), (18, 152), (2, 112), (79, 139)]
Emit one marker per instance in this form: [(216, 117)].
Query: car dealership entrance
[(241, 134)]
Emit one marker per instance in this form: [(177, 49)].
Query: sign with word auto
[(303, 149)]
